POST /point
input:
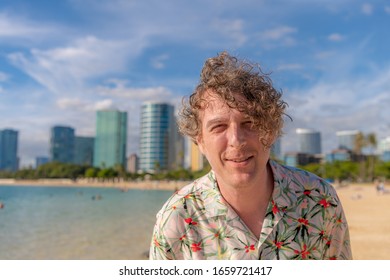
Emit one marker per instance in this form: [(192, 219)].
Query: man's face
[(231, 145)]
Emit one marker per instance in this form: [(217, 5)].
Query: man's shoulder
[(191, 190), (299, 177), (296, 182)]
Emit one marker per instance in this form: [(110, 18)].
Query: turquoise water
[(62, 223)]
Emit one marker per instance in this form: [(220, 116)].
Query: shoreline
[(87, 183)]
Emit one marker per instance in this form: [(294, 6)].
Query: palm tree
[(371, 142), (359, 144), (362, 141)]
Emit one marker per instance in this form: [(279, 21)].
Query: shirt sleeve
[(340, 247), (159, 248)]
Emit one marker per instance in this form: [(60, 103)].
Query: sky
[(61, 61)]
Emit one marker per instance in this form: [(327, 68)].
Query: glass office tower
[(83, 150), (8, 150), (111, 138), (158, 137), (347, 139), (62, 144), (309, 141)]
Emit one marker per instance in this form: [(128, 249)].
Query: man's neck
[(250, 202), (252, 193)]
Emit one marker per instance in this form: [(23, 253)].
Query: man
[(248, 206)]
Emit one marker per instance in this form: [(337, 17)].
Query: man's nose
[(236, 136)]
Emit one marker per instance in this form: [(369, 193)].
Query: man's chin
[(240, 180)]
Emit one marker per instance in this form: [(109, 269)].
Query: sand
[(368, 213)]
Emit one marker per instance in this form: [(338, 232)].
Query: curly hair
[(228, 77)]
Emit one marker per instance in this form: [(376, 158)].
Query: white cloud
[(159, 61), (278, 33), (118, 88), (335, 37), (70, 103), (102, 105), (387, 9), (279, 36), (64, 70), (13, 26), (231, 29), (3, 77), (367, 9), (329, 106)]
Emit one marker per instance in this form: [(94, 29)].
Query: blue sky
[(60, 61)]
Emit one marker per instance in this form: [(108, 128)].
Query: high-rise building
[(158, 137), (309, 141), (132, 163), (83, 150), (41, 160), (8, 150), (346, 139), (62, 144), (384, 149), (197, 159), (276, 149), (111, 138), (179, 150)]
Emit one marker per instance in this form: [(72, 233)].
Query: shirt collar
[(217, 206), (282, 196), (212, 197)]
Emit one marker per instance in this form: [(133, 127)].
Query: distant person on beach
[(248, 206), (380, 187)]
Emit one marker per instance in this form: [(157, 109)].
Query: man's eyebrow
[(214, 121)]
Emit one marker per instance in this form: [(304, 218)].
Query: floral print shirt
[(304, 220)]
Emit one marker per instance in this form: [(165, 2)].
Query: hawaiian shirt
[(304, 220)]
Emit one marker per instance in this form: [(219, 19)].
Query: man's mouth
[(240, 159)]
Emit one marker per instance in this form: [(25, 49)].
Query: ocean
[(69, 223)]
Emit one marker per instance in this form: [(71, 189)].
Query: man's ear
[(199, 142)]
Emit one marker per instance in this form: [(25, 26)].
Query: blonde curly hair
[(228, 77)]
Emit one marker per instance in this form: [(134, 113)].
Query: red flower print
[(307, 192), (156, 243), (304, 253), (195, 247), (278, 244), (324, 203), (303, 221), (183, 237), (249, 248), (190, 221), (275, 208)]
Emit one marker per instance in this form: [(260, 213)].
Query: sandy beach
[(143, 185), (368, 213)]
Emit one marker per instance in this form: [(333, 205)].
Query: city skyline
[(60, 61), (280, 152)]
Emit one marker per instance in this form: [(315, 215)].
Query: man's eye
[(248, 124), (218, 127)]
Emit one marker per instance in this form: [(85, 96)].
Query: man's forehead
[(213, 103)]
